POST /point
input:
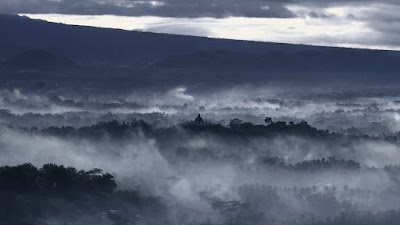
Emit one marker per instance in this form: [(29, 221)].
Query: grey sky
[(380, 19), (175, 8)]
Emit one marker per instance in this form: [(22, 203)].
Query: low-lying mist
[(194, 170), (252, 156), (358, 112)]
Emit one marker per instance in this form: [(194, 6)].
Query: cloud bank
[(359, 24)]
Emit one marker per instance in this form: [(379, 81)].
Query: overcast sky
[(357, 23)]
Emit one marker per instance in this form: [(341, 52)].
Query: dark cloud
[(388, 28), (173, 8), (165, 8), (380, 16), (384, 19), (341, 2)]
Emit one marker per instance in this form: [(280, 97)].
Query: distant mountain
[(153, 59), (100, 46)]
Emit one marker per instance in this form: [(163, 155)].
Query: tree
[(235, 123)]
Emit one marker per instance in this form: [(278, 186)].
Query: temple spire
[(199, 119)]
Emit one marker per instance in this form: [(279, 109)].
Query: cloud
[(179, 27), (166, 8), (177, 8), (385, 19), (313, 31), (381, 18), (180, 94)]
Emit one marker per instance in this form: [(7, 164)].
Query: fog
[(343, 159), (351, 112)]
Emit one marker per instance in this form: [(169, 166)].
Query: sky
[(345, 23)]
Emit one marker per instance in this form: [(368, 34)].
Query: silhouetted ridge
[(310, 165), (164, 59), (39, 59)]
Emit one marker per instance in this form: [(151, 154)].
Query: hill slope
[(38, 59), (162, 58)]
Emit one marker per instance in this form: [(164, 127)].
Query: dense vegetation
[(31, 195), (56, 194)]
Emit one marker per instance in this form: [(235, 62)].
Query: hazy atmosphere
[(194, 112)]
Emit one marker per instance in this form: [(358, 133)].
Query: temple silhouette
[(199, 122)]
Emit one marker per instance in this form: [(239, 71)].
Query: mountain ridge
[(155, 58)]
